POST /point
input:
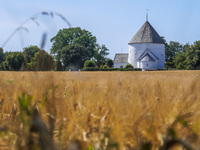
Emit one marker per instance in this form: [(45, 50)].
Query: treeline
[(71, 48), (32, 58), (179, 56)]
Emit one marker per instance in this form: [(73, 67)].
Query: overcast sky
[(113, 22)]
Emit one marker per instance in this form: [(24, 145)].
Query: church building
[(146, 50)]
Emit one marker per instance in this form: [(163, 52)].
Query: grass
[(107, 110)]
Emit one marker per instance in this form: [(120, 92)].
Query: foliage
[(171, 50), (41, 61), (100, 54), (169, 65), (35, 134), (182, 56), (29, 52), (109, 62), (89, 63), (1, 50), (109, 69), (189, 58), (1, 55), (105, 67), (25, 107), (59, 66), (193, 56), (179, 60), (129, 66), (71, 36), (15, 60), (74, 55), (90, 69)]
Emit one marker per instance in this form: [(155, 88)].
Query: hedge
[(110, 69)]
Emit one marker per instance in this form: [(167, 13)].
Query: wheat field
[(100, 110)]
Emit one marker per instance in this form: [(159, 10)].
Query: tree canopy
[(184, 56), (71, 36), (109, 62), (89, 63), (15, 60), (74, 55), (171, 50), (42, 61), (29, 52), (100, 54), (1, 55)]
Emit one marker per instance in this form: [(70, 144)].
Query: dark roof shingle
[(121, 58), (146, 34)]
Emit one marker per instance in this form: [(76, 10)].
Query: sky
[(113, 22)]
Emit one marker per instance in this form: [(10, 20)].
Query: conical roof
[(146, 34)]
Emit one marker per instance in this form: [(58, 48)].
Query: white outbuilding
[(146, 50), (120, 60)]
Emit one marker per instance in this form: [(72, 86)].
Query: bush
[(89, 63), (129, 66), (105, 67), (169, 65), (15, 61), (109, 63), (109, 69), (90, 69)]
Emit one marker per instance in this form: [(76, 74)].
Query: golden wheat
[(102, 108)]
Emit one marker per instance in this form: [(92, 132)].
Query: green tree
[(15, 60), (129, 66), (71, 36), (193, 56), (42, 61), (74, 55), (109, 62), (171, 49), (100, 55), (3, 63), (1, 55), (1, 50), (5, 66), (59, 66), (169, 65), (29, 52), (186, 47), (179, 60), (89, 63)]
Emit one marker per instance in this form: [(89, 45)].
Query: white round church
[(146, 50)]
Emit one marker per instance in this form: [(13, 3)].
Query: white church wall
[(136, 50), (159, 52), (148, 65), (118, 65)]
